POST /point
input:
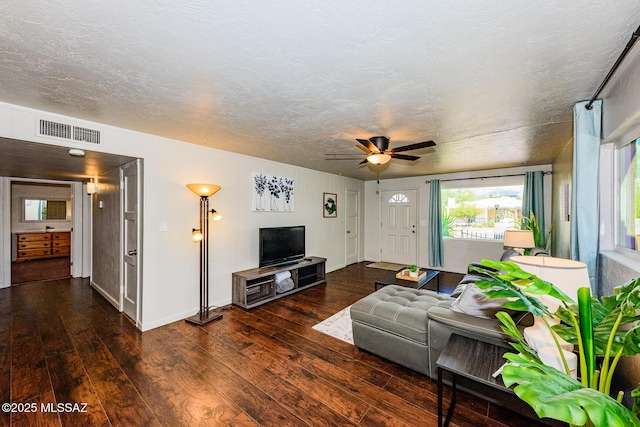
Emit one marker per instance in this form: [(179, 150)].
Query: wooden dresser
[(43, 245)]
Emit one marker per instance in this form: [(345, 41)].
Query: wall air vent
[(58, 130), (67, 131), (86, 135)]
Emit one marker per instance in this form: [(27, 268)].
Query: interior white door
[(399, 232), (352, 226), (130, 294)]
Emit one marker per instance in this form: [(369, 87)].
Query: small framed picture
[(329, 205)]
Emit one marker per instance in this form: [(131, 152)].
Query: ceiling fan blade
[(363, 149), (367, 144), (415, 146), (363, 162), (404, 157)]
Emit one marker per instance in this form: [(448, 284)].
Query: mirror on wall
[(46, 210)]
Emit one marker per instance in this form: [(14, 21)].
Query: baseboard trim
[(106, 295)]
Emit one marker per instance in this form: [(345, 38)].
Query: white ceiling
[(492, 83)]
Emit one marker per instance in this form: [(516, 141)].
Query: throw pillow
[(474, 302)]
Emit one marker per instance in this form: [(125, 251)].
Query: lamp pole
[(205, 315)]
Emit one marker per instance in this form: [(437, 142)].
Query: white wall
[(458, 253), (170, 259)]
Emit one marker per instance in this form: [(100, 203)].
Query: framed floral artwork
[(272, 193), (329, 205)]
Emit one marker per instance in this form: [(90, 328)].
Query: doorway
[(40, 227), (399, 233), (352, 213)]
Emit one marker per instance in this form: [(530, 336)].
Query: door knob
[(132, 252)]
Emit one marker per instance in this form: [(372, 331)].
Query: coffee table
[(391, 279)]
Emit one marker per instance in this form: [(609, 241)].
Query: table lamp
[(519, 240)]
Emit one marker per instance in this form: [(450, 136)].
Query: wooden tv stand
[(257, 285)]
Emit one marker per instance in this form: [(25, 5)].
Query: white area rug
[(337, 326), (387, 266)]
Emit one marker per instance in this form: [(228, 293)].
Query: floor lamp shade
[(566, 275), (204, 190), (205, 314)]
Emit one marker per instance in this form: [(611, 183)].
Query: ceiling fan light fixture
[(378, 158)]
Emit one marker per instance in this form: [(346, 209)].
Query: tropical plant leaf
[(509, 328), (627, 297), (510, 281), (553, 394), (605, 315)]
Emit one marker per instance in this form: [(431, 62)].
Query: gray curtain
[(435, 224), (584, 196), (533, 197)]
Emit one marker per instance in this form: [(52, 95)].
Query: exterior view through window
[(629, 196), (481, 212)]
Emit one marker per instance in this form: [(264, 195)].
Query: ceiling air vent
[(66, 131), (59, 130), (86, 135)]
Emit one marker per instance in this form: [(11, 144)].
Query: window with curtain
[(628, 196), (481, 212)]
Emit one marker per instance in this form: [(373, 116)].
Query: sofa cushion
[(474, 302), (399, 310)]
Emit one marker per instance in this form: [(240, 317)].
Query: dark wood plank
[(45, 414), (120, 400), (29, 374), (73, 388)]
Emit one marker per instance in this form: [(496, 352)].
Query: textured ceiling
[(492, 82)]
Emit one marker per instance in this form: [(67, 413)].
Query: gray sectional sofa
[(411, 326)]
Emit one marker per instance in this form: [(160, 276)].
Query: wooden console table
[(257, 285)]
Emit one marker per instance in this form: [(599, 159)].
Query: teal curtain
[(533, 197), (435, 224), (584, 196)]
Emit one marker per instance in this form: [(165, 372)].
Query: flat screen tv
[(281, 245)]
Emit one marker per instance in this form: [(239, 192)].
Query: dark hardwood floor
[(61, 343)]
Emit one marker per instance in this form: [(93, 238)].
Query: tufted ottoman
[(392, 323)]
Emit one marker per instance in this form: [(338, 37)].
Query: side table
[(473, 359)]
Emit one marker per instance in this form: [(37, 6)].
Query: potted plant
[(540, 238), (606, 327), (413, 270)]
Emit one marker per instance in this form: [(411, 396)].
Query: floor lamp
[(205, 315), (567, 275)]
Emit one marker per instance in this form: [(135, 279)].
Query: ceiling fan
[(379, 153)]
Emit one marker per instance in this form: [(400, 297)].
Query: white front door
[(399, 232), (352, 226), (130, 294)]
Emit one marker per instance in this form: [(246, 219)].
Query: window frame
[(632, 254)]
